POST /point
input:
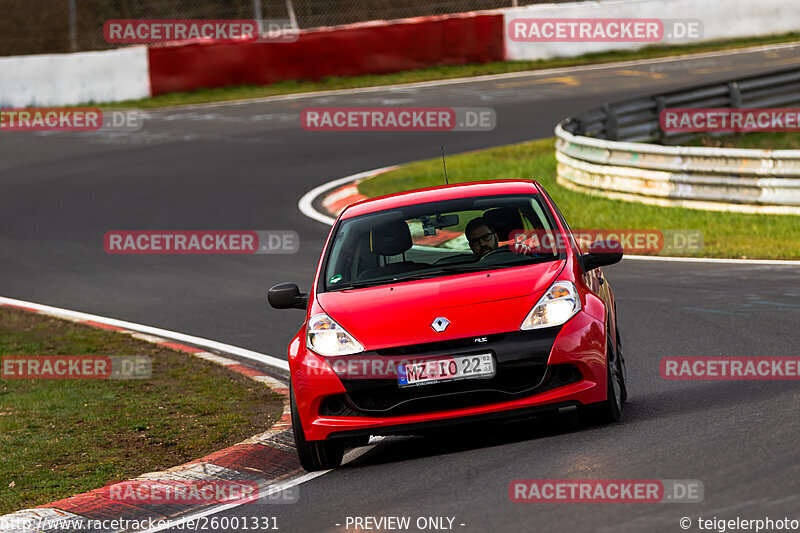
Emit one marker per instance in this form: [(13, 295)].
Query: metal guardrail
[(604, 151)]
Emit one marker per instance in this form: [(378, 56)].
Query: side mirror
[(601, 253), (287, 296)]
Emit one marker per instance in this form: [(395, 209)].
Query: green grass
[(727, 235), (62, 437), (763, 141), (243, 92)]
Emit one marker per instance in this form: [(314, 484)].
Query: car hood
[(475, 304)]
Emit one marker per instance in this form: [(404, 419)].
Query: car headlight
[(326, 337), (558, 304)]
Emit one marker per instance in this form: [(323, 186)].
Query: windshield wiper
[(361, 284), (422, 274), (447, 270)]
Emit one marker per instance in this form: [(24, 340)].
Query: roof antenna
[(445, 167)]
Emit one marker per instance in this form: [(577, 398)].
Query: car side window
[(575, 245)]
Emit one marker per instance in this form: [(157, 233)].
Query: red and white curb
[(340, 198), (268, 458), (339, 192)]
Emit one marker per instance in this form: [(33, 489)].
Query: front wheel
[(610, 410), (623, 370), (315, 454)]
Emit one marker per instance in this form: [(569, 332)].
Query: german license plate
[(449, 368)]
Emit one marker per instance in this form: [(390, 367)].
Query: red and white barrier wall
[(72, 79), (365, 48), (377, 47), (720, 19)]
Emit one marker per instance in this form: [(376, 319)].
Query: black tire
[(623, 369), (610, 409), (315, 454)]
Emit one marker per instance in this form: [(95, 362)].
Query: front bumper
[(536, 370)]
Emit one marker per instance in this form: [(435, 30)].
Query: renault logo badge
[(440, 324)]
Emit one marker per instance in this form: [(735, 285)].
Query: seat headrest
[(504, 220), (390, 238)]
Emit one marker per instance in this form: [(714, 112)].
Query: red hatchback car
[(452, 304)]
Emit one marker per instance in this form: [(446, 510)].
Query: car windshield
[(436, 239)]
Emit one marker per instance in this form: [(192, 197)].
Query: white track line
[(274, 489), (268, 360), (487, 77), (306, 206), (714, 260), (170, 523)]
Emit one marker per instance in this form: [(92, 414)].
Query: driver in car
[(481, 236)]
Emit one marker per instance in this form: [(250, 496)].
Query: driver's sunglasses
[(486, 238)]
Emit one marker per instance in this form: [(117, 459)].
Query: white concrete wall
[(71, 79), (721, 19)]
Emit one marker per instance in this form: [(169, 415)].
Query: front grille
[(451, 346), (388, 401), (521, 370)]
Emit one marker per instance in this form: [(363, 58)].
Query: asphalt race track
[(244, 166)]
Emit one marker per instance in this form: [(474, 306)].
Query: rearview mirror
[(431, 224), (287, 296), (601, 253)]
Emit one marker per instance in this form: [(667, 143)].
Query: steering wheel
[(494, 252)]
